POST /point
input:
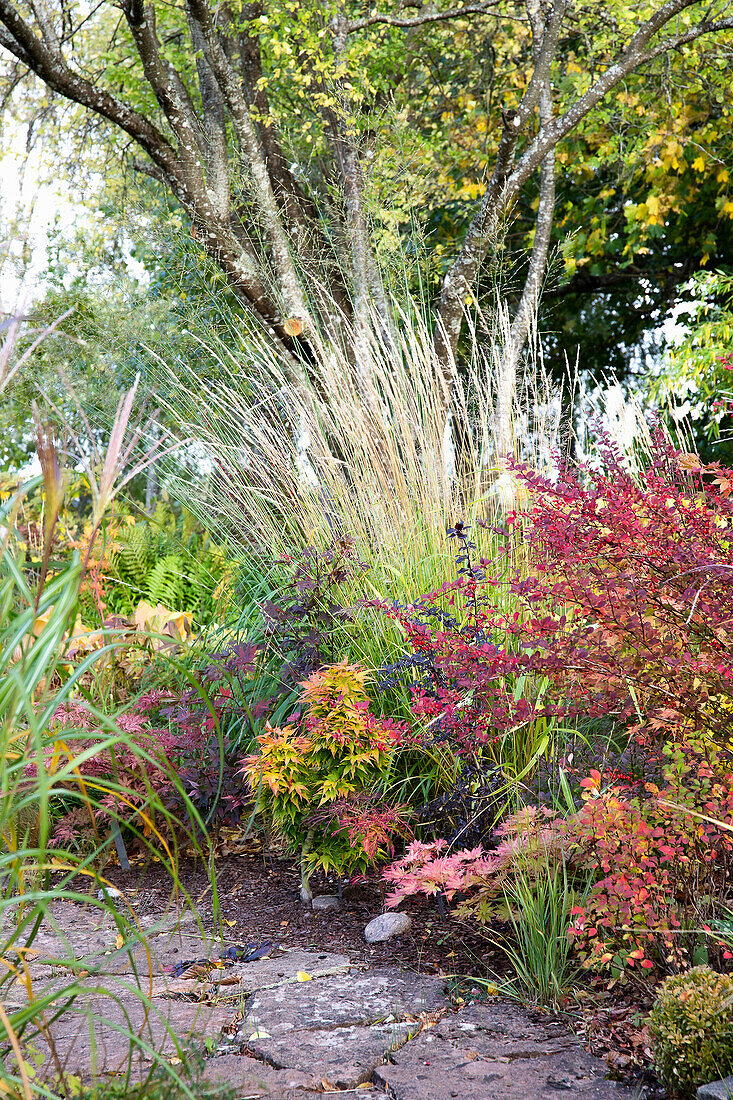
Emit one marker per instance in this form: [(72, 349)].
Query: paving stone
[(253, 1078), (333, 1030), (111, 1021), (344, 1056), (355, 998), (280, 968), (341, 1027), (432, 1068), (501, 1029), (87, 935)]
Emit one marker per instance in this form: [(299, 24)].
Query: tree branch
[(674, 43), (45, 22), (501, 191), (265, 201), (420, 20), (20, 40), (168, 89), (9, 43), (214, 129), (147, 168), (527, 309), (457, 282)]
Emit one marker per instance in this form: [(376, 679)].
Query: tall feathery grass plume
[(366, 438)]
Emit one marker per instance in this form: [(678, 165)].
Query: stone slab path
[(291, 1025)]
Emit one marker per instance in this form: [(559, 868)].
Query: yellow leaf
[(119, 941), (229, 923), (301, 976), (698, 164)]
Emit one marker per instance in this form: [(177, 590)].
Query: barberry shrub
[(179, 762), (310, 778), (624, 610)]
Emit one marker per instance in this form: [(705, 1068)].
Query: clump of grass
[(386, 449), (537, 904)]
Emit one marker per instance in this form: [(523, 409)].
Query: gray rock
[(326, 901), (386, 926), (109, 893), (716, 1090)]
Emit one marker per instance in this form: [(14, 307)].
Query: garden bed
[(259, 899)]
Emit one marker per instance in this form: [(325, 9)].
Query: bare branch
[(20, 39), (504, 187), (420, 20)]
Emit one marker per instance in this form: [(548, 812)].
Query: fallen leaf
[(259, 1034), (119, 941), (301, 976), (293, 326)]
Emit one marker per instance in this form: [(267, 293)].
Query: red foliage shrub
[(627, 611), (662, 865)]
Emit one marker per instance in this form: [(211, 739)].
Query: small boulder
[(325, 901), (717, 1090), (109, 893), (386, 926)]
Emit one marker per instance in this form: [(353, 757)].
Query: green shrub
[(692, 1030)]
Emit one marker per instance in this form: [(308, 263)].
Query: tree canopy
[(303, 140)]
